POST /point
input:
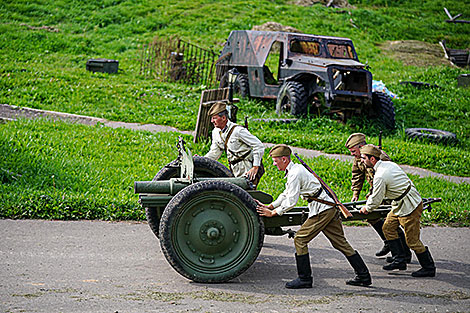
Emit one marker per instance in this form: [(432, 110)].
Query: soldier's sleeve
[(288, 199), (216, 149), (254, 143), (357, 178), (377, 195)]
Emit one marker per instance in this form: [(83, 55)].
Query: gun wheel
[(210, 231), (203, 167)]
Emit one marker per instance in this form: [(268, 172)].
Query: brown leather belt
[(322, 201), (238, 160), (314, 198), (403, 194)]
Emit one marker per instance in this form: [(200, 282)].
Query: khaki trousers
[(411, 227), (330, 224)]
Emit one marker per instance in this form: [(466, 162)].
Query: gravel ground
[(95, 266)]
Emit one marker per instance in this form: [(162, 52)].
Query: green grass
[(56, 170), (46, 70), (63, 171)]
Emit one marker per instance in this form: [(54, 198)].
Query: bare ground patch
[(415, 53)]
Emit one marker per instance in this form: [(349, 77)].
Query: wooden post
[(203, 123)]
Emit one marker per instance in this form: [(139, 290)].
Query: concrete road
[(92, 266)]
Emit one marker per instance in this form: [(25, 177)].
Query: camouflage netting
[(275, 27), (335, 3)]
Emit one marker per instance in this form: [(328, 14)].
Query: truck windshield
[(342, 51), (305, 47)]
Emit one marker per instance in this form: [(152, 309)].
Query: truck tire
[(434, 135), (203, 167), (210, 231), (292, 99), (241, 87), (383, 109)]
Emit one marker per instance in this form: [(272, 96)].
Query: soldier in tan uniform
[(361, 173), (391, 182), (323, 217), (244, 150)]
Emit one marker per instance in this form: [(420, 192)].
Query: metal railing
[(175, 60)]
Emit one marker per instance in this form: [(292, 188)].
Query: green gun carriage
[(206, 219)]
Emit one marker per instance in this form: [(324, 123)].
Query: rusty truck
[(303, 73)]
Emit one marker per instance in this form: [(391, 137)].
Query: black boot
[(305, 279), (399, 256), (362, 272), (378, 228), (408, 254), (427, 263)]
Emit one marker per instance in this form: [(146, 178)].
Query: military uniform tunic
[(322, 217), (360, 173), (244, 150), (300, 182), (391, 182)]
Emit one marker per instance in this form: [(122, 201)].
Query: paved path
[(94, 266), (8, 112)]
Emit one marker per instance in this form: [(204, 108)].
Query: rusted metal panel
[(259, 88)]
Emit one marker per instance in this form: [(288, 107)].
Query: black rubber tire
[(194, 213), (383, 109), (203, 167), (241, 87), (292, 99), (434, 135)]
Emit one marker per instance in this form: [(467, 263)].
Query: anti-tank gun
[(206, 219)]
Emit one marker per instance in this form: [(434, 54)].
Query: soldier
[(244, 151), (323, 217), (360, 173), (407, 206)]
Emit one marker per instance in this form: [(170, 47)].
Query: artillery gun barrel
[(174, 185)]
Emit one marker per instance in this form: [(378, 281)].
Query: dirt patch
[(47, 28), (276, 27), (334, 3), (415, 53)]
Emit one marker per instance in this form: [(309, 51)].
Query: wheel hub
[(212, 233)]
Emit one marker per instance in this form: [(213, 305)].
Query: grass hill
[(45, 44)]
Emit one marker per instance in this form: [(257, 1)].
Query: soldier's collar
[(377, 165), (227, 126)]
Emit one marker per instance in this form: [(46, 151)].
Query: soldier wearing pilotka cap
[(244, 150), (323, 217), (391, 182), (361, 173)]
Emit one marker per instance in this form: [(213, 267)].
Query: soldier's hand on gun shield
[(251, 174)]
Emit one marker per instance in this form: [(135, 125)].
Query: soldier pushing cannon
[(207, 220)]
